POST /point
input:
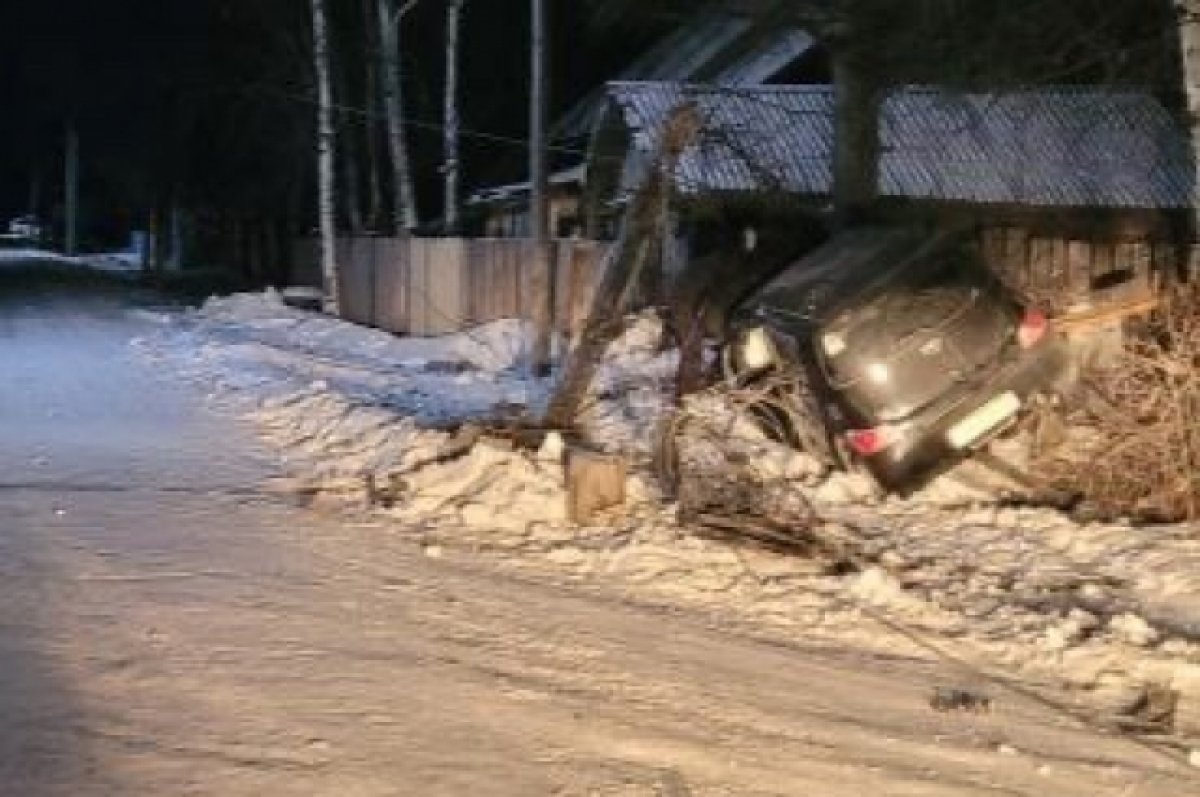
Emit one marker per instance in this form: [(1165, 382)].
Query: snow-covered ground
[(112, 262), (371, 422)]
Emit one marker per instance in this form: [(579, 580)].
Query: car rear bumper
[(925, 449)]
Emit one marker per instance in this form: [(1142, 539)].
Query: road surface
[(168, 629)]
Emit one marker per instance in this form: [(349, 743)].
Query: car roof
[(852, 262)]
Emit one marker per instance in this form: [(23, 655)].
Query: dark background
[(212, 99), (209, 103)]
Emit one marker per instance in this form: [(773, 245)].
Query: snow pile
[(109, 262), (491, 487), (114, 262), (364, 417), (631, 391), (257, 339), (26, 255), (359, 414)]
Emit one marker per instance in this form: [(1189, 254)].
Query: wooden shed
[(1080, 195)]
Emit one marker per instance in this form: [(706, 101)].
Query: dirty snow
[(364, 418)]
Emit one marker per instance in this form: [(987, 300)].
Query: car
[(25, 228), (894, 350)]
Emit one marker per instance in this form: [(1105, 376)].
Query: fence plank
[(391, 285), (420, 286)]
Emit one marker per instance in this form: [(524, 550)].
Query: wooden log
[(595, 482)]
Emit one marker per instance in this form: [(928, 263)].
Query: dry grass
[(1144, 461)]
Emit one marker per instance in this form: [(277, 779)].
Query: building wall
[(511, 219)]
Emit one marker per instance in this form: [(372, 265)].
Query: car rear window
[(903, 343)]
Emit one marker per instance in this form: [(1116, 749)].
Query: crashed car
[(896, 351)]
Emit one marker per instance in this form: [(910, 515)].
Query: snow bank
[(632, 389), (111, 262), (27, 255), (359, 416)]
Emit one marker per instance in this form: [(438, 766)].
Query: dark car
[(902, 348)]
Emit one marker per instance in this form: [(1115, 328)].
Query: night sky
[(214, 96), (211, 101)]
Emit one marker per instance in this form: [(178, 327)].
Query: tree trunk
[(856, 130), (539, 198), (71, 192), (450, 141), (325, 158), (35, 194), (177, 256), (1188, 26), (348, 125), (404, 212), (351, 189), (371, 122)]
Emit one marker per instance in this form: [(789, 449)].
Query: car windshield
[(905, 342)]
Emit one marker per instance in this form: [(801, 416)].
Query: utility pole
[(451, 121), (71, 192), (538, 181), (539, 200)]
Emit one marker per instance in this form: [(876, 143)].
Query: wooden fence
[(434, 286), (1078, 275)]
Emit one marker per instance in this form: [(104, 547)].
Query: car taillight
[(867, 442), (1032, 329)]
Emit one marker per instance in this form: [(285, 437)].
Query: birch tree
[(404, 211), (325, 157), (370, 122)]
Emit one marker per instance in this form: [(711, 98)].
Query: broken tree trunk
[(640, 233), (595, 482)]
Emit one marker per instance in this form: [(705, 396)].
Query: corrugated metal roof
[(1048, 147)]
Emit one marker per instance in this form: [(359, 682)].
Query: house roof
[(1057, 146), (716, 47), (516, 192)]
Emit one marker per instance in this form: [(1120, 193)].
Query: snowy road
[(167, 629)]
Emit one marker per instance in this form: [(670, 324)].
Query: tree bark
[(450, 160), (325, 158), (539, 196), (371, 121), (1188, 27), (856, 132), (71, 191), (347, 129), (404, 212)]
